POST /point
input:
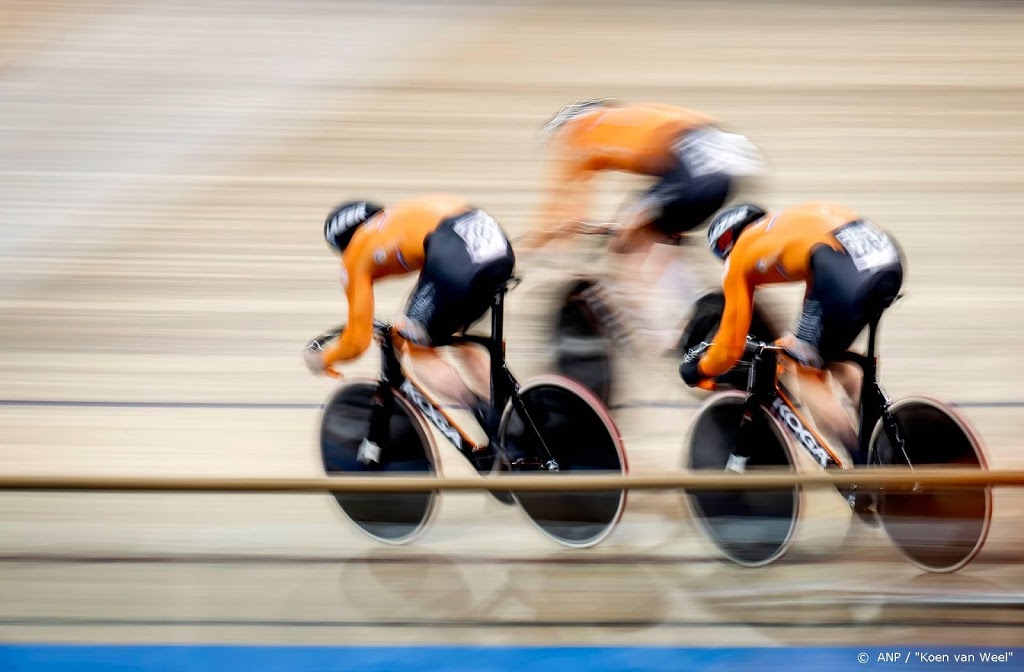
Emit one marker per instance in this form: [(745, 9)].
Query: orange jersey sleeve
[(358, 333), (731, 337), (634, 138), (389, 244), (775, 250), (568, 197)]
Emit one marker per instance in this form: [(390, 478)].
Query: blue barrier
[(149, 658)]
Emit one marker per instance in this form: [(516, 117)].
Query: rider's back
[(778, 248), (636, 137), (392, 243), (389, 244)]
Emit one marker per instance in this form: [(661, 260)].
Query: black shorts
[(849, 288), (467, 258), (684, 199)]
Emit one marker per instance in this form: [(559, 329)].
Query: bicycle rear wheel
[(751, 528), (394, 518), (581, 436), (937, 529)]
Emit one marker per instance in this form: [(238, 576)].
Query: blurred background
[(165, 168)]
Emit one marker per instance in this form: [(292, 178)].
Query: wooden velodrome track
[(164, 171)]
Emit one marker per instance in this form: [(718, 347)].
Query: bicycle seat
[(879, 310), (510, 284)]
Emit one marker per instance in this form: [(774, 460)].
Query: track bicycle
[(937, 529), (550, 424), (590, 333)]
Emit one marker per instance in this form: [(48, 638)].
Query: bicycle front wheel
[(705, 318), (583, 351), (581, 436), (389, 517), (750, 527), (937, 529)]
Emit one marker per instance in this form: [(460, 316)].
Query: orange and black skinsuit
[(461, 252), (853, 271), (639, 138)]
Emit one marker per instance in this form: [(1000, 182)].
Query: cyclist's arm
[(731, 338), (566, 204), (358, 332)]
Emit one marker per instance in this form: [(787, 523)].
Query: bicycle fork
[(758, 393), (378, 440), (742, 450)]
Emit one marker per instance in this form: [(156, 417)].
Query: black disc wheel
[(394, 518), (750, 527), (938, 529), (581, 436)]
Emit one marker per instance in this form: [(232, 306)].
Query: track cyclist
[(462, 255), (853, 271), (696, 166)]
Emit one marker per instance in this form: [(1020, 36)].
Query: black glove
[(689, 369)]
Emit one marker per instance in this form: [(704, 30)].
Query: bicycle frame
[(776, 398), (504, 387), (764, 389), (874, 403)]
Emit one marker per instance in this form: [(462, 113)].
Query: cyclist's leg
[(475, 365), (826, 327), (850, 378), (486, 280), (459, 277), (876, 290), (839, 306), (425, 363), (654, 271), (814, 388), (428, 320), (629, 278)]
